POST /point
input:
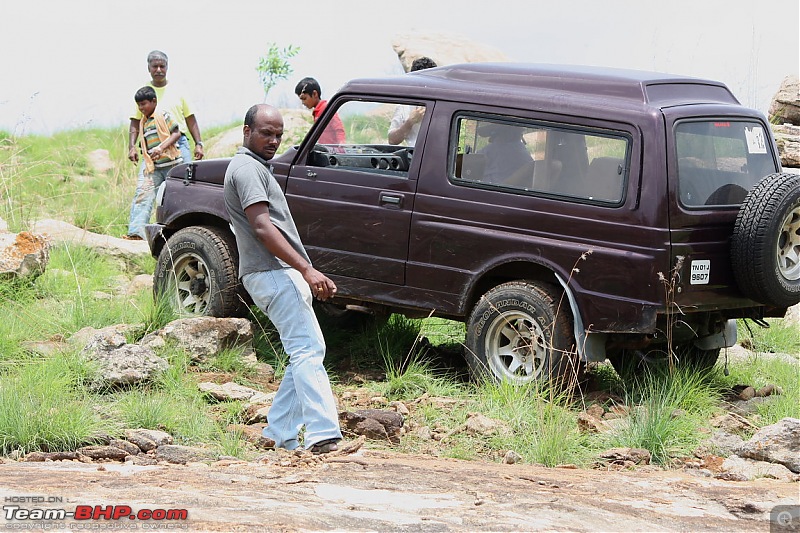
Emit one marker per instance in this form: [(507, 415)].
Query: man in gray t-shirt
[(277, 273)]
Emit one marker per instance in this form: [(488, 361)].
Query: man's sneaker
[(325, 446), (132, 238)]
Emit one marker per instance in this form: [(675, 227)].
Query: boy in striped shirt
[(158, 135)]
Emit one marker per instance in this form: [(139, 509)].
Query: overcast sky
[(68, 64)]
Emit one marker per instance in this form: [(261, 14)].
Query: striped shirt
[(151, 138)]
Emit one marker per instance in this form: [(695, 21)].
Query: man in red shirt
[(310, 94)]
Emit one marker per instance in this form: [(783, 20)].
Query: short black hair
[(421, 63), (250, 116), (145, 93), (308, 86)]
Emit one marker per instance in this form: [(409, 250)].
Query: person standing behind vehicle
[(158, 137), (406, 120), (310, 94), (170, 98), (277, 273)]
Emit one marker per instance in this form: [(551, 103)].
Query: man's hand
[(322, 287), (198, 152), (133, 155), (156, 152), (416, 114)]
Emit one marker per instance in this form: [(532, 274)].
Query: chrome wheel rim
[(515, 348), (788, 249), (192, 285)]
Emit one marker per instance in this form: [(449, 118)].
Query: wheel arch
[(185, 221)]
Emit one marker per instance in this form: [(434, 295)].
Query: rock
[(591, 424), (400, 407), (730, 423), (24, 254), (478, 424), (124, 365), (128, 446), (176, 454), (113, 453), (255, 414), (777, 443), (747, 394), (100, 161), (736, 468), (443, 48), (227, 392), (793, 315), (38, 457), (511, 457), (787, 138), (148, 439), (296, 123), (254, 434), (374, 424), (139, 283), (637, 456), (785, 105), (204, 337), (58, 231), (724, 443)]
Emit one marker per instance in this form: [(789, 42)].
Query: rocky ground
[(384, 491)]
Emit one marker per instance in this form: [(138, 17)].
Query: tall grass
[(668, 410), (43, 406)]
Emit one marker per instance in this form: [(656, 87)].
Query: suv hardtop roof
[(628, 88)]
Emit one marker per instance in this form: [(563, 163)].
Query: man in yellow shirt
[(170, 99)]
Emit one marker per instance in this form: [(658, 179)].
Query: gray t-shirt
[(248, 181)]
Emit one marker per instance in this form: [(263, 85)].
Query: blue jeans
[(142, 205), (304, 395)]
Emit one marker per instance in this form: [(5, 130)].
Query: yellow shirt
[(170, 99)]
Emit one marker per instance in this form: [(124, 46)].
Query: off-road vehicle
[(557, 211)]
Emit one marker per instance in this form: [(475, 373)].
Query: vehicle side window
[(369, 127), (521, 156)]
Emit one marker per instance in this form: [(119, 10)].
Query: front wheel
[(196, 273), (520, 332)]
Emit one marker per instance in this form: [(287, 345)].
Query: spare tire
[(765, 248)]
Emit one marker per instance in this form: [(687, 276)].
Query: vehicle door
[(352, 201)]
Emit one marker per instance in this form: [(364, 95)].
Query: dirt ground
[(386, 491)]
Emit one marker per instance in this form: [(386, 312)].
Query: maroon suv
[(566, 214)]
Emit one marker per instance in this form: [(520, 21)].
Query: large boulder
[(785, 106), (296, 123), (23, 254), (787, 137), (443, 48), (777, 443), (204, 337)]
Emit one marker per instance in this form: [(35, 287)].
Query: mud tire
[(196, 273), (765, 248), (521, 332)]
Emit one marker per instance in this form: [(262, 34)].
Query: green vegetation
[(48, 400), (275, 66)]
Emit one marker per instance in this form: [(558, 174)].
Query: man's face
[(264, 137), (309, 100), (158, 72), (146, 107)]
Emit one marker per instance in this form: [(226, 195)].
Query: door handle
[(311, 174), (391, 200)]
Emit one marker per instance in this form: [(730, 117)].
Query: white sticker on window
[(701, 271), (756, 141)]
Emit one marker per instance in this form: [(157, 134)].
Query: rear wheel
[(765, 248), (521, 332), (636, 363), (196, 273)]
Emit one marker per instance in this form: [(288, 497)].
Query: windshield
[(720, 161)]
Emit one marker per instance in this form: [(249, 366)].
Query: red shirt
[(334, 131)]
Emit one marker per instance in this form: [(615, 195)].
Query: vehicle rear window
[(535, 158), (719, 161)]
